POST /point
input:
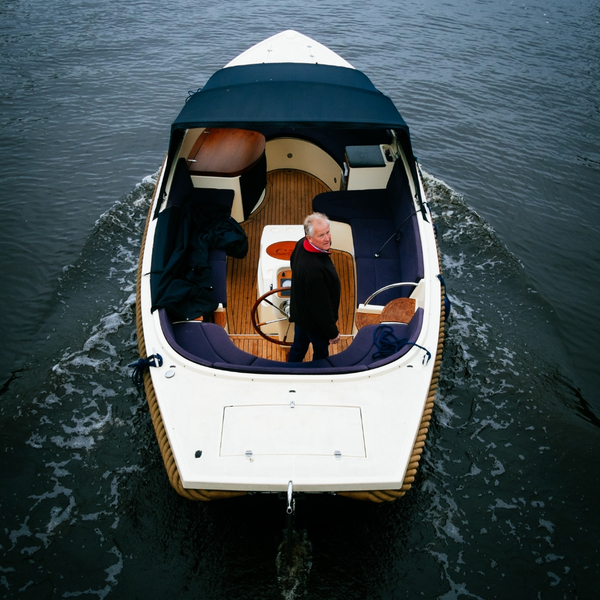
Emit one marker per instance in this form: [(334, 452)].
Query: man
[(315, 293)]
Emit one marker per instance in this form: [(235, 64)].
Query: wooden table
[(226, 152)]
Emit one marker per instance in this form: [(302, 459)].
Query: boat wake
[(86, 481), (294, 565)]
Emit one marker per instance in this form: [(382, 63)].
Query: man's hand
[(335, 340)]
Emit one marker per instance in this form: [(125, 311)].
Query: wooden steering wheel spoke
[(258, 326)]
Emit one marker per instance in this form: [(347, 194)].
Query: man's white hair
[(309, 222)]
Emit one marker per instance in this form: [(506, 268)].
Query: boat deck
[(288, 200)]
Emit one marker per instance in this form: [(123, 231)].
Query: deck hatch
[(301, 430)]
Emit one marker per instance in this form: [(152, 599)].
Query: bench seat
[(209, 345), (380, 219)]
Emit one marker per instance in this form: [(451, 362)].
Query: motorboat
[(287, 128)]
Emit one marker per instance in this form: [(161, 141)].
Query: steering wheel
[(285, 317)]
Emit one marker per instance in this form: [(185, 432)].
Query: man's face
[(321, 237)]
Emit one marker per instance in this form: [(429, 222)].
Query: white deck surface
[(289, 46), (288, 429)]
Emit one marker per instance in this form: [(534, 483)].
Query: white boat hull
[(224, 431)]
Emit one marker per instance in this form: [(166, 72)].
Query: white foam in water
[(292, 575), (14, 535), (125, 210), (457, 590), (74, 411), (101, 593), (36, 440), (482, 409), (115, 569), (499, 468), (473, 466), (82, 437), (59, 514)]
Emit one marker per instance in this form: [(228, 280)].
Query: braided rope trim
[(378, 496)]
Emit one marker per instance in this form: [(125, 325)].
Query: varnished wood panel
[(287, 201), (226, 152)]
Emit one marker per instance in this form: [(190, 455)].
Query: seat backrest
[(406, 221)]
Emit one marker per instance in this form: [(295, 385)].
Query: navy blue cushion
[(360, 351), (375, 273), (354, 204), (167, 328), (264, 365), (411, 253), (369, 235), (283, 368), (190, 337), (265, 362), (399, 194), (223, 347), (375, 216), (208, 344), (202, 343), (217, 260)]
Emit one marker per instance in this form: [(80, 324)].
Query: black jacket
[(315, 294)]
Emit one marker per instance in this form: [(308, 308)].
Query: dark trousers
[(302, 339)]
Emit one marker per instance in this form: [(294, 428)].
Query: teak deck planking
[(288, 200)]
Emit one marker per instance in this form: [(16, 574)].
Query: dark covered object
[(193, 235), (292, 95)]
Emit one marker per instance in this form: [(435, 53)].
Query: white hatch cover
[(300, 430)]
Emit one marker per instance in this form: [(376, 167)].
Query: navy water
[(503, 101)]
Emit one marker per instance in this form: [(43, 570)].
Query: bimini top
[(289, 95), (301, 96)]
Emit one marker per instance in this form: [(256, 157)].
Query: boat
[(287, 128)]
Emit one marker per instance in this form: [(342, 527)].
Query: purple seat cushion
[(359, 351), (205, 343), (218, 263), (208, 344), (375, 215), (354, 204), (222, 346), (369, 235), (264, 365), (375, 273), (412, 331)]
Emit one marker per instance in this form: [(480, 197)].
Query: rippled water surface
[(503, 103)]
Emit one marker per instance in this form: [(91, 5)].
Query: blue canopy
[(289, 95), (303, 97)]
